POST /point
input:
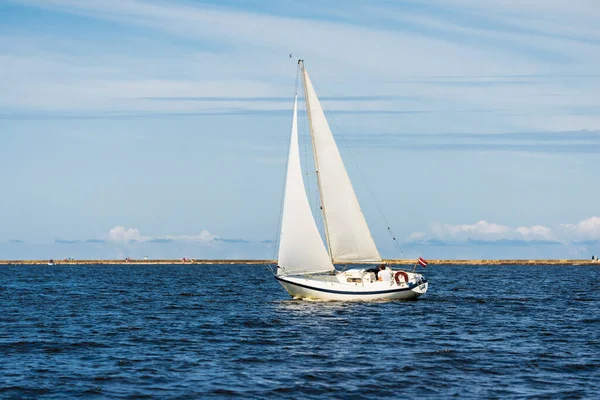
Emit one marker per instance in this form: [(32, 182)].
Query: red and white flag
[(422, 262)]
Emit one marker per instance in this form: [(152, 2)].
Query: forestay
[(301, 249), (348, 235)]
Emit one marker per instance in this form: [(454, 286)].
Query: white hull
[(331, 289)]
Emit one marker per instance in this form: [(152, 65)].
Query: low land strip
[(251, 262)]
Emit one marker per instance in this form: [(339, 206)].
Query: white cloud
[(416, 236), (479, 230), (587, 229), (536, 232), (120, 234)]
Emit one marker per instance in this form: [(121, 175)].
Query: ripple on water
[(183, 331)]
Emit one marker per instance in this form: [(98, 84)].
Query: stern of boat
[(417, 281)]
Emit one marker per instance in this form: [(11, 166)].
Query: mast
[(316, 158)]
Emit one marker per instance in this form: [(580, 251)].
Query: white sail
[(301, 249), (348, 235)]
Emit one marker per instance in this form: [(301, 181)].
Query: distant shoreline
[(250, 262)]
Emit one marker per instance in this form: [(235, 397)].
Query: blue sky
[(160, 128)]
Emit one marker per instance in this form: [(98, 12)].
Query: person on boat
[(385, 274)]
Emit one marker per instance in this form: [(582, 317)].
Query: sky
[(160, 128)]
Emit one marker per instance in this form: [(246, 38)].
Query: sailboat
[(306, 265)]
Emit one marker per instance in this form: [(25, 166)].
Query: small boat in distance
[(51, 261), (305, 267)]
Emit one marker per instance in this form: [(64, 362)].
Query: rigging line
[(340, 134), (282, 196)]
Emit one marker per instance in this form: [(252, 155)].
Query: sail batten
[(348, 236), (301, 249)]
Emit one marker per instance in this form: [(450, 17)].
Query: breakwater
[(249, 262)]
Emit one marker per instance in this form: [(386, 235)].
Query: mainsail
[(301, 249), (348, 235)]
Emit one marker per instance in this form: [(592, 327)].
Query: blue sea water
[(222, 331)]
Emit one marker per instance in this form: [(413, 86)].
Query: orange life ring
[(400, 273)]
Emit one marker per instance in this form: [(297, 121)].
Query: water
[(191, 331)]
